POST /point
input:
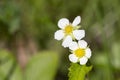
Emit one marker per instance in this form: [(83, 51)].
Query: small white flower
[(68, 30), (67, 41), (80, 52)]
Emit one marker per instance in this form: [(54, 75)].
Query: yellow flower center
[(79, 52), (68, 29)]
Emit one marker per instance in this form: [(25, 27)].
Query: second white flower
[(80, 52)]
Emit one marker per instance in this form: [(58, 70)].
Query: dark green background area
[(28, 26)]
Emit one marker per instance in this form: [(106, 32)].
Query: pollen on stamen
[(68, 29), (79, 52)]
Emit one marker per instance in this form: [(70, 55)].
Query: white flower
[(68, 30), (80, 52)]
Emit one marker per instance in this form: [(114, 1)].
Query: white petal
[(83, 60), (82, 44), (59, 35), (73, 45), (67, 41), (73, 58), (79, 34), (63, 22), (76, 21), (88, 52)]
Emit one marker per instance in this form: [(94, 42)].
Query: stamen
[(68, 29), (79, 52)]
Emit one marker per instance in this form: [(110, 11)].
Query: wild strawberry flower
[(69, 31), (80, 52)]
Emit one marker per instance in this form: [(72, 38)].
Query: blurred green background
[(28, 50)]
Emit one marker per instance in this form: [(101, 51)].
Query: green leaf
[(78, 72), (116, 55), (17, 74), (8, 67), (42, 66), (6, 61)]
